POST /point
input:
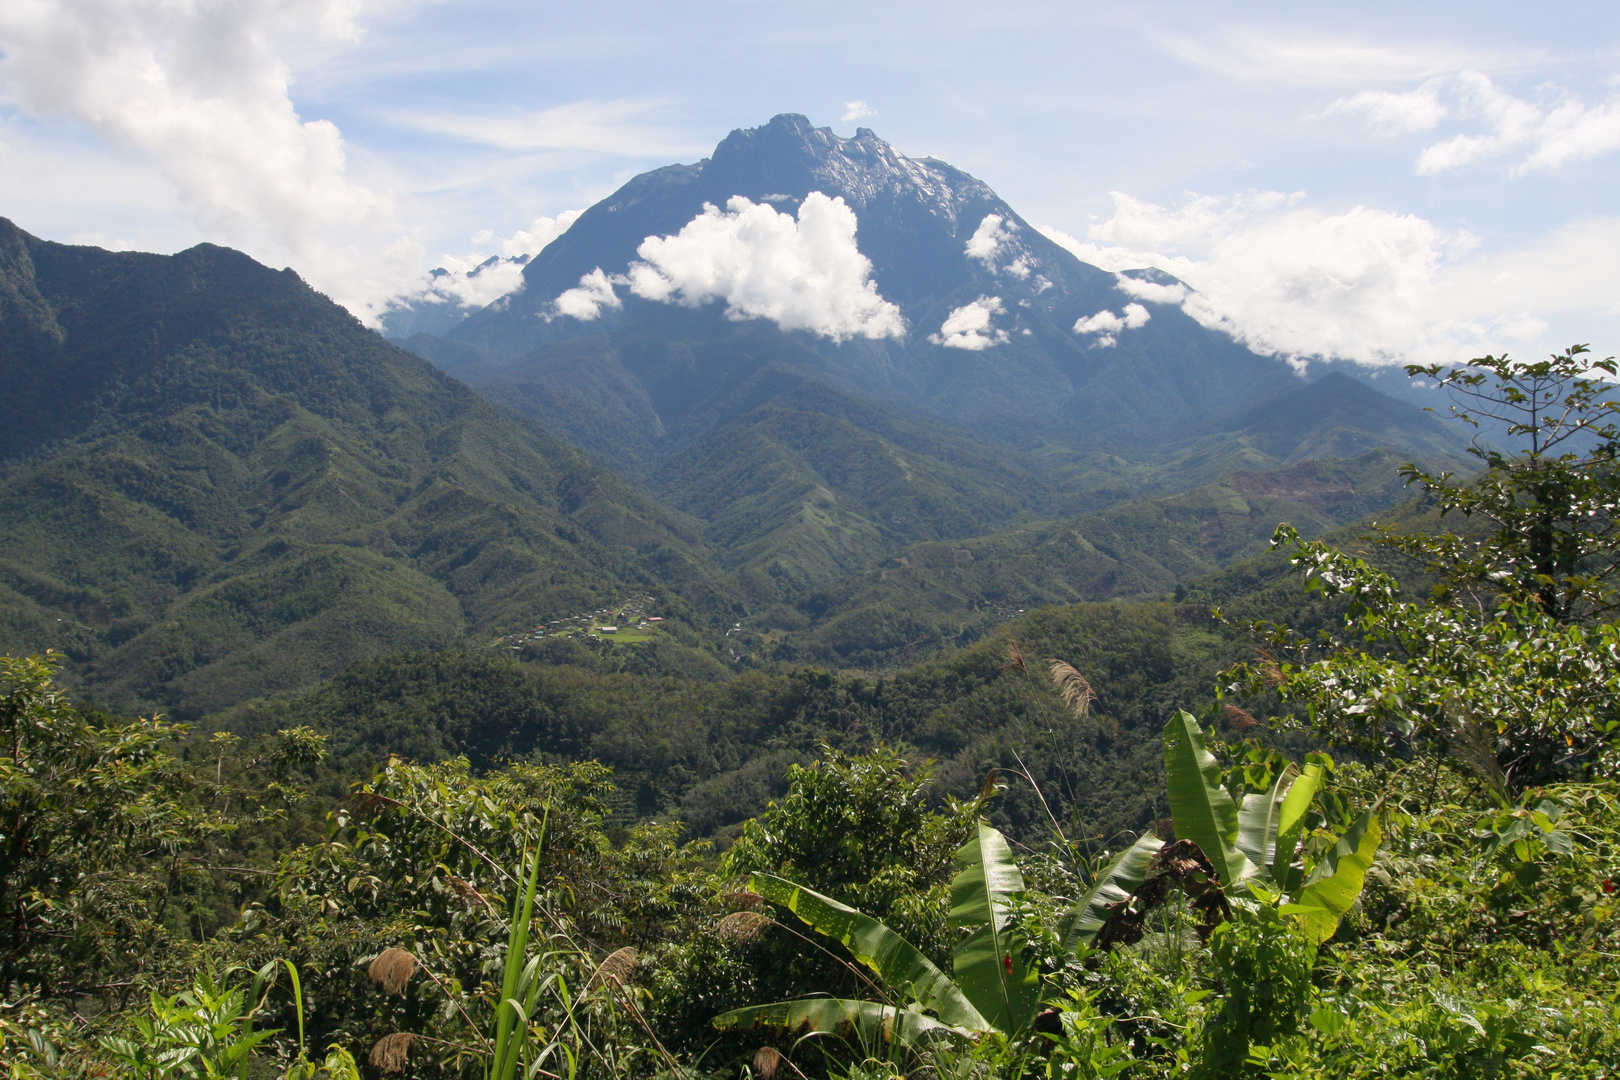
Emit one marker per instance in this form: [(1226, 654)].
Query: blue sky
[(1377, 181)]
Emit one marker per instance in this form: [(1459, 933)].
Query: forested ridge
[(1345, 809)]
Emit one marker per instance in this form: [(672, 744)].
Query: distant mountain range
[(822, 402)]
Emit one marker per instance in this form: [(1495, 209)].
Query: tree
[(861, 828), (1508, 664), (1549, 507), (110, 844)]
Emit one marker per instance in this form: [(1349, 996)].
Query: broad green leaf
[(989, 964), (1300, 795), (1260, 819), (869, 1019), (986, 881), (895, 960), (1337, 879), (1203, 812), (1121, 877)]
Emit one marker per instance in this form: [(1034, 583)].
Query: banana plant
[(1253, 846), (992, 986)]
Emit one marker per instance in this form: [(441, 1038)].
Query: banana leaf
[(870, 1020), (895, 960), (1118, 880), (1260, 820), (1294, 807), (989, 964), (1203, 812), (1337, 879)]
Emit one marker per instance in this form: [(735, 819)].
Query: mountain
[(892, 308), (216, 484), (937, 240)]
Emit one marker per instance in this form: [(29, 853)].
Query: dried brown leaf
[(743, 900), (741, 926), (1015, 660), (1238, 719), (615, 965)]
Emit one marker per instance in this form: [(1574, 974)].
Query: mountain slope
[(904, 607), (215, 483)]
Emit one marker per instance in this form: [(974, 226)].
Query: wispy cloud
[(1319, 61), (856, 110), (622, 128)]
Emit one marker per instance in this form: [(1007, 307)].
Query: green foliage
[(1550, 506), (905, 607), (1249, 848), (1264, 963), (1510, 690), (902, 967), (1081, 1047), (204, 1032), (864, 830), (1111, 887), (218, 485), (1202, 809), (115, 854), (992, 962), (1503, 665), (992, 988)]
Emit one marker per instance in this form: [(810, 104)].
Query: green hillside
[(216, 484), (815, 485), (935, 594), (712, 752)]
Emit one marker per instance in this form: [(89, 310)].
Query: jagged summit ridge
[(862, 170)]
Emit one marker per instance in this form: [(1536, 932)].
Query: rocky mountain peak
[(864, 170)]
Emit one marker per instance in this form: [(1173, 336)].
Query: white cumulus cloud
[(1152, 290), (970, 326), (534, 239), (1108, 325), (1533, 136), (804, 274), (994, 239), (199, 89), (476, 279), (1361, 284), (988, 239), (587, 300)]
